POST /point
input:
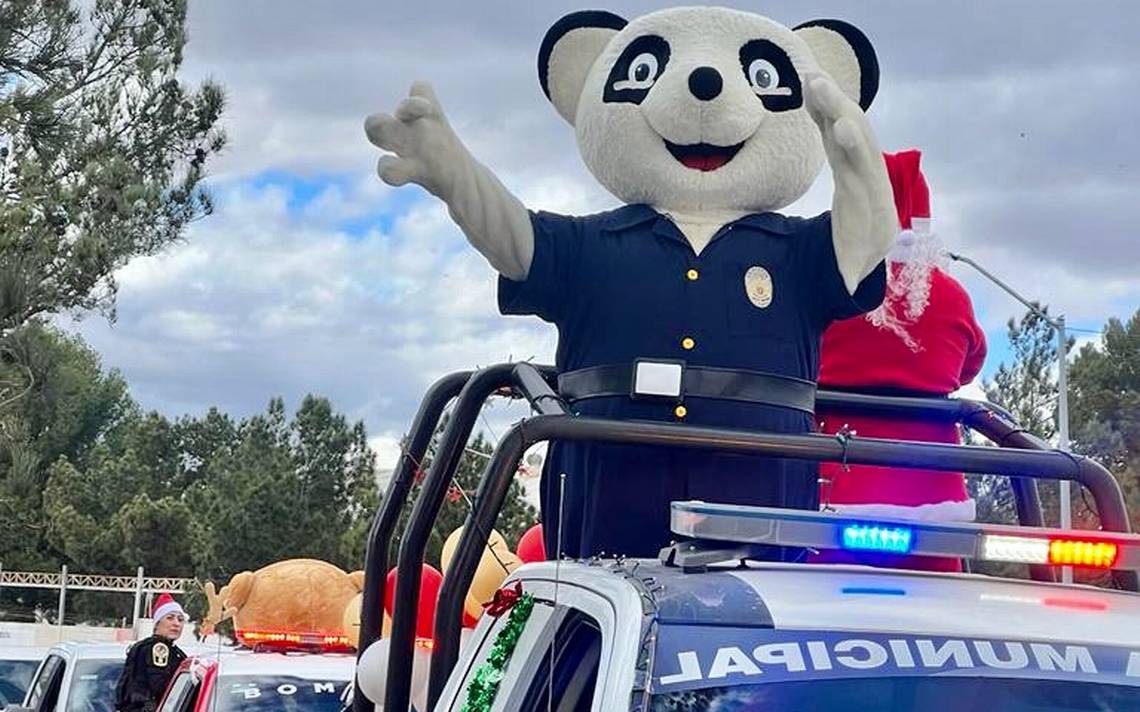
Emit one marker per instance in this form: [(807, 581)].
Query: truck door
[(558, 656), (180, 694)]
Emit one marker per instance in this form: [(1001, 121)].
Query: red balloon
[(530, 547), (430, 582)]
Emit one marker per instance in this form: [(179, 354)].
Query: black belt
[(696, 381)]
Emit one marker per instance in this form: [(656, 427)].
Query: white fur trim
[(965, 511), (168, 608)]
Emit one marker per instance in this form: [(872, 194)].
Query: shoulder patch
[(160, 655)]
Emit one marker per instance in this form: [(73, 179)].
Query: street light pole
[(1058, 325)]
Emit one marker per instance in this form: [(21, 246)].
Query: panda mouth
[(703, 156)]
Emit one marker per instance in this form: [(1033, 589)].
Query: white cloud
[(262, 301)]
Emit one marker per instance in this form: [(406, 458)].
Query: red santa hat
[(164, 606), (912, 195), (917, 252)]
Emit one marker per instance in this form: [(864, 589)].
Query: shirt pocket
[(758, 298)]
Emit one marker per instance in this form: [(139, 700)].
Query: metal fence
[(143, 587)]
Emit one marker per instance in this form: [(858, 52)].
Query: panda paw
[(427, 151), (848, 140)]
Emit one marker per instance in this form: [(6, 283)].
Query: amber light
[(1074, 552)]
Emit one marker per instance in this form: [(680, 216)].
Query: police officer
[(151, 662)]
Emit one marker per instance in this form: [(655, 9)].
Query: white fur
[(623, 144), (949, 511)]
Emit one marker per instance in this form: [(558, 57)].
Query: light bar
[(288, 639), (744, 525)]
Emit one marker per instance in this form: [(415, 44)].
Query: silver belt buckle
[(657, 379)]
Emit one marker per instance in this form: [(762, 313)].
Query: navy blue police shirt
[(626, 284)]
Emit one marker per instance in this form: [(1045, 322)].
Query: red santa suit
[(922, 341)]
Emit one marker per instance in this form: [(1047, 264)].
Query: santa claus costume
[(922, 341)]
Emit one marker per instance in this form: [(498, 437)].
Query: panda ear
[(846, 54), (568, 51)]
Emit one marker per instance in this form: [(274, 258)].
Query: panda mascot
[(694, 302)]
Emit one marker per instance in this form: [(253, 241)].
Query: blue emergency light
[(869, 537)]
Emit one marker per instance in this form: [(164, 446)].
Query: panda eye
[(636, 70), (771, 75), (642, 73), (765, 78)]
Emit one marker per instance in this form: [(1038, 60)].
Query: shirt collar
[(630, 216)]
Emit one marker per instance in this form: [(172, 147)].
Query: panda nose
[(705, 83)]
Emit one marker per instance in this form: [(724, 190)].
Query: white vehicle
[(647, 635), (712, 624), (17, 665), (241, 680), (76, 677)]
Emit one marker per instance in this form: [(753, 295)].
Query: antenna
[(557, 581)]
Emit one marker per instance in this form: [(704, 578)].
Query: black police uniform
[(626, 285), (151, 663)]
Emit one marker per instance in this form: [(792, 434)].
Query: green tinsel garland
[(484, 686)]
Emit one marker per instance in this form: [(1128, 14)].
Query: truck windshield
[(254, 693), (93, 686), (907, 694), (15, 676)]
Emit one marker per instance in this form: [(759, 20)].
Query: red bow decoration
[(504, 600)]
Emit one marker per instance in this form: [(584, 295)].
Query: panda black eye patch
[(771, 75), (636, 70)]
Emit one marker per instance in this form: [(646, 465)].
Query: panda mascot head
[(700, 109)]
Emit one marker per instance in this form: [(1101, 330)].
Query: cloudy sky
[(314, 277)]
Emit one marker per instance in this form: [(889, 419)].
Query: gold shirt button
[(687, 343), (680, 411), (693, 275)]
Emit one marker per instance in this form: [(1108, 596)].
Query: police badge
[(758, 286), (159, 655)]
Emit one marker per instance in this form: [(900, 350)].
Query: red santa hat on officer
[(916, 253), (164, 606)]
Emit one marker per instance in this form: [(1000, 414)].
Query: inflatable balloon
[(495, 541), (495, 564), (351, 621), (421, 669), (430, 582), (531, 547), (372, 671)]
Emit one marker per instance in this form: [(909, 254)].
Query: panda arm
[(495, 222), (430, 154), (863, 217)]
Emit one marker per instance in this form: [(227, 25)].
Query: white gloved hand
[(430, 154)]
